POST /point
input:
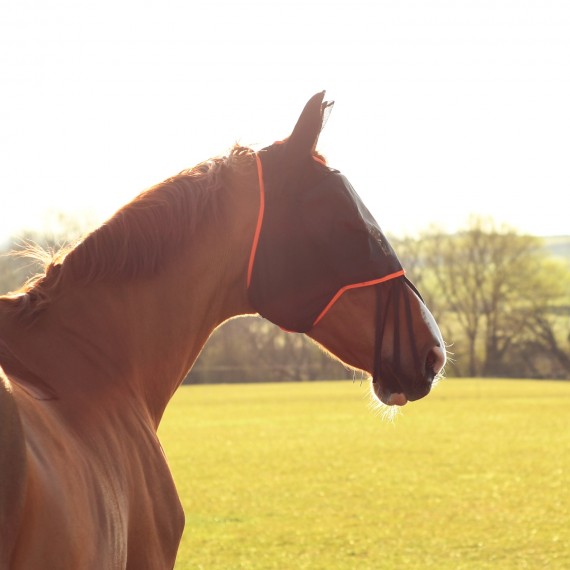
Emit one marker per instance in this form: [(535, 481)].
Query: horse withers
[(93, 349)]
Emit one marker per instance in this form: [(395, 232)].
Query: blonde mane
[(140, 237)]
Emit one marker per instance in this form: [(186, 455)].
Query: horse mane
[(141, 236)]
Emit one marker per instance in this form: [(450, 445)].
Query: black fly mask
[(315, 239)]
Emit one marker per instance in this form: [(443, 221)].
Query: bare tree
[(487, 284)]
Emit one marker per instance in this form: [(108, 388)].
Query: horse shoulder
[(99, 493), (155, 512), (12, 471)]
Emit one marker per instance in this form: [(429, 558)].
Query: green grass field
[(307, 475)]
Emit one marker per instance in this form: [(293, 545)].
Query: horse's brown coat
[(91, 363)]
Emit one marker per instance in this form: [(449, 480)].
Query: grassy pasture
[(295, 476)]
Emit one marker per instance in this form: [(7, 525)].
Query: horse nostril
[(435, 361)]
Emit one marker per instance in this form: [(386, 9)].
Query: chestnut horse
[(93, 349)]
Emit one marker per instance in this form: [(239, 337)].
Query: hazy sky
[(443, 108)]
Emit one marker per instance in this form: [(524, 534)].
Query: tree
[(251, 349), (489, 285), (545, 346)]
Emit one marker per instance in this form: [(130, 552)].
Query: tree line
[(500, 297)]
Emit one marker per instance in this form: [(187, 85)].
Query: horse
[(92, 349)]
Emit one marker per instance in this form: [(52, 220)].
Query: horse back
[(12, 471)]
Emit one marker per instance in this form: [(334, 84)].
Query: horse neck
[(137, 338)]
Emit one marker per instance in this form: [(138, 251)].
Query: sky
[(443, 109)]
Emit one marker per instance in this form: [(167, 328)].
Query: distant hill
[(558, 245)]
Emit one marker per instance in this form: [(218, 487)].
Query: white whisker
[(380, 409)]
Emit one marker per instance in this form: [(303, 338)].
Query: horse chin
[(400, 398), (389, 398), (396, 400)]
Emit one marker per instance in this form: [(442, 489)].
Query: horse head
[(321, 265)]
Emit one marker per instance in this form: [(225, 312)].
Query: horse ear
[(304, 138)]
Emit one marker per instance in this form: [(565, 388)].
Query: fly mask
[(315, 239)]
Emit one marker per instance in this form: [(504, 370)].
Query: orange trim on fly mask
[(259, 219), (356, 286)]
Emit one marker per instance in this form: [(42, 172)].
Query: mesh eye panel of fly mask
[(315, 239)]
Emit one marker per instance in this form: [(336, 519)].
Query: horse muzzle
[(397, 388)]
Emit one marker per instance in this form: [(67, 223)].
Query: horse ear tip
[(319, 96)]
